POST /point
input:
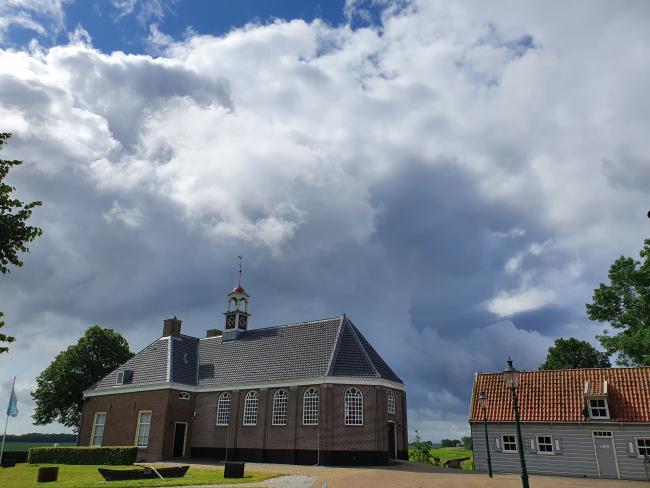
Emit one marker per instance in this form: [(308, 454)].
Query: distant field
[(24, 446), (446, 453)]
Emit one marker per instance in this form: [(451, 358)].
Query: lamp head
[(511, 376)]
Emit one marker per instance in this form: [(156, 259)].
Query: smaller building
[(591, 423)]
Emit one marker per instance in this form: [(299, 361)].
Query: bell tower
[(237, 311)]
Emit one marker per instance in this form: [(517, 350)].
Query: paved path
[(410, 475)]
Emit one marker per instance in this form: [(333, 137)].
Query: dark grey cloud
[(439, 180)]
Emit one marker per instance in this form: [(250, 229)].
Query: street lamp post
[(511, 379), (482, 401)]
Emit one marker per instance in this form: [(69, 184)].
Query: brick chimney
[(214, 332), (172, 327)]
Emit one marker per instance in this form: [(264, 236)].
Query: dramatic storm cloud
[(457, 179)]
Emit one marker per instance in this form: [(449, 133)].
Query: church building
[(305, 393)]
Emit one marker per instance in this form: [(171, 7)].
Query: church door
[(392, 453), (179, 439)]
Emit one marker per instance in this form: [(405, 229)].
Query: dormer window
[(598, 408), (124, 377), (183, 395)]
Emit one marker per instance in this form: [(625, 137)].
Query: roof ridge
[(293, 324), (337, 342), (363, 349), (620, 368)]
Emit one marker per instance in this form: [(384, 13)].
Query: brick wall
[(122, 418), (294, 441)]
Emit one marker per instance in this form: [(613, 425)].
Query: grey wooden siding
[(576, 456)]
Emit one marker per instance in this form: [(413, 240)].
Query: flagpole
[(2, 449)]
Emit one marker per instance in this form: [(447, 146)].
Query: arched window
[(391, 403), (250, 408), (280, 401), (223, 409), (183, 395), (243, 305), (310, 407), (353, 407)]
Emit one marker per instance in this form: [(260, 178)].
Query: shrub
[(83, 455)]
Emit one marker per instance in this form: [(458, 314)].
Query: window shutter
[(557, 445), (128, 376), (630, 448), (530, 441), (497, 444)]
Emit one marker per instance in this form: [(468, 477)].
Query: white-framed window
[(183, 395), (250, 408), (353, 403), (223, 409), (545, 444), (98, 429), (391, 403), (120, 378), (143, 427), (310, 406), (509, 442), (643, 447), (280, 402), (598, 408)]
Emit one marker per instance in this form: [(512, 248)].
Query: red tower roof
[(239, 289)]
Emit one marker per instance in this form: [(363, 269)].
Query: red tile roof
[(558, 396)]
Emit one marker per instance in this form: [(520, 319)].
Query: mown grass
[(447, 453), (74, 476)]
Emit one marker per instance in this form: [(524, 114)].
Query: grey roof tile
[(184, 359), (148, 366), (302, 350)]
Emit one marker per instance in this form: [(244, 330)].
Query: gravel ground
[(406, 475)]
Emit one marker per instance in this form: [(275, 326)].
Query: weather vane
[(241, 259)]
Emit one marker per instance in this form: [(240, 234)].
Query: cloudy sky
[(456, 177)]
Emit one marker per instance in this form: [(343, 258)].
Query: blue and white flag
[(12, 409)]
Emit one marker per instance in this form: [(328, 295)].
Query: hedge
[(83, 455)]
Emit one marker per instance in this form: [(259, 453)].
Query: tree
[(449, 442), (14, 231), (574, 354), (467, 443), (625, 304), (59, 390), (419, 450)]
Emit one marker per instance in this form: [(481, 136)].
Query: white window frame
[(311, 406), (551, 444), (139, 425), (119, 380), (223, 409), (392, 409), (280, 405), (183, 395), (638, 448), (591, 408), (353, 406), (251, 405), (93, 434), (503, 444)]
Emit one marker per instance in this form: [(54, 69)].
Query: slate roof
[(328, 347), (559, 396)]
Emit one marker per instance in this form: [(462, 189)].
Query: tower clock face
[(230, 322), (242, 321)]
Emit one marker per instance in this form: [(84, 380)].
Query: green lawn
[(24, 475), (24, 446), (446, 453)]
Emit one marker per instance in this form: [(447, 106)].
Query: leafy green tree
[(574, 354), (14, 231), (467, 443), (419, 450), (625, 304), (59, 390)]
